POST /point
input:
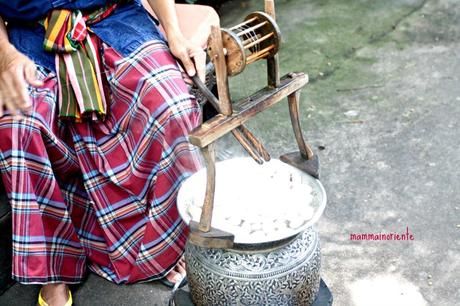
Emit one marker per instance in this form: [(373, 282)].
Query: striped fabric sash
[(78, 66)]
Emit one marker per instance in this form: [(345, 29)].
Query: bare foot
[(178, 272), (55, 294)]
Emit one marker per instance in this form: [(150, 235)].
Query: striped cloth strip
[(81, 87)]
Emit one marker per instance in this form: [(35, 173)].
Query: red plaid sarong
[(102, 194)]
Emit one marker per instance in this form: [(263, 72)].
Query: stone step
[(95, 291)]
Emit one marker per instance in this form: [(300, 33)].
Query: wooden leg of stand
[(247, 146), (273, 69), (216, 53), (206, 213), (255, 142), (293, 101)]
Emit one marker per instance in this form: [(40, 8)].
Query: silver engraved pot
[(280, 269), (278, 273)]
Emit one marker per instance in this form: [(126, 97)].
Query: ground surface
[(384, 102)]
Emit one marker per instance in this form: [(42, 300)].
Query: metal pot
[(281, 273), (283, 270)]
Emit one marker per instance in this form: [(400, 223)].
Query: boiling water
[(256, 203)]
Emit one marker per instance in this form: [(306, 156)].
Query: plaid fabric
[(102, 194), (77, 62)]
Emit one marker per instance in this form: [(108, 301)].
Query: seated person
[(94, 117)]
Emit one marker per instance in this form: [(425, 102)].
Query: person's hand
[(16, 72), (193, 57)]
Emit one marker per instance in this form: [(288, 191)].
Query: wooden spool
[(257, 37)]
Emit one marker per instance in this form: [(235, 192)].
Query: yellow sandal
[(41, 301)]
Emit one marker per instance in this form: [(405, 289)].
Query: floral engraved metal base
[(272, 274)]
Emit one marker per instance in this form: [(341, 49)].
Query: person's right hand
[(17, 71)]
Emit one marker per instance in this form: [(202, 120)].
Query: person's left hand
[(193, 57)]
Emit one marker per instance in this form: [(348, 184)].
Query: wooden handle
[(206, 92)]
